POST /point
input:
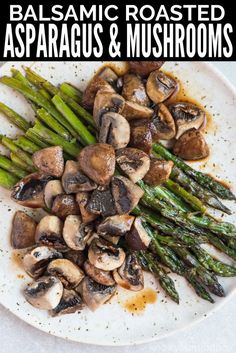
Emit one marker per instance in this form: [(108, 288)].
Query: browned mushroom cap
[(107, 74), (164, 124), (104, 255), (69, 274), (143, 68), (114, 130), (130, 274), (187, 116), (82, 199), (115, 225), (65, 205), (125, 193), (98, 161), (159, 172), (134, 111), (134, 90), (76, 233), (51, 190), (70, 302), (133, 162), (160, 86), (49, 232), (137, 238), (73, 180), (98, 275), (77, 257), (101, 203), (95, 294), (28, 191), (141, 135), (23, 231), (191, 146), (50, 161), (106, 102)]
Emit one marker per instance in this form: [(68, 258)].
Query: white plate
[(111, 324)]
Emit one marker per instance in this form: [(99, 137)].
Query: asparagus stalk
[(71, 91), (19, 76), (14, 118), (26, 145), (34, 138), (20, 163), (14, 148), (7, 180), (8, 165)]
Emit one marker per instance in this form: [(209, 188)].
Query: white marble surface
[(214, 335)]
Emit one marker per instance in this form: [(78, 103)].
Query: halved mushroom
[(77, 257), (134, 90), (70, 302), (126, 194), (23, 231), (28, 191), (35, 262), (76, 233), (134, 111), (49, 232), (144, 68), (69, 274), (107, 74), (187, 116), (159, 171), (141, 135), (191, 146), (112, 239), (164, 124), (95, 294), (45, 293), (137, 238), (106, 102), (73, 180), (133, 162), (101, 203), (50, 161), (51, 190), (98, 161), (130, 274), (116, 225), (104, 255), (114, 130), (98, 275), (160, 86), (65, 205), (82, 199)]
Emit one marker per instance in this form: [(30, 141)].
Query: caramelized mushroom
[(49, 232), (159, 172), (112, 239), (141, 135), (164, 124), (191, 146), (107, 74), (82, 199), (134, 111), (77, 257), (133, 162), (68, 273), (115, 225), (114, 130), (187, 116), (134, 90), (23, 231), (101, 203), (160, 86), (144, 68), (70, 302), (98, 275), (137, 238), (51, 190), (125, 193), (76, 233), (97, 161), (65, 205), (50, 161)]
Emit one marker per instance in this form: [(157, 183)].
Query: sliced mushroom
[(95, 294), (23, 231), (144, 68), (98, 161), (115, 225), (70, 303), (114, 130), (160, 86), (107, 74), (101, 203), (50, 161), (125, 193), (137, 238), (65, 205), (51, 190), (45, 293), (28, 191), (82, 199), (141, 135), (49, 232), (35, 262), (133, 162), (164, 124), (98, 275), (77, 257), (187, 116), (134, 90), (159, 172), (130, 274), (191, 146), (73, 180), (106, 102), (134, 111), (76, 233), (112, 239), (104, 255), (68, 273)]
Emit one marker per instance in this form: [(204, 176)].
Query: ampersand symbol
[(114, 47)]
